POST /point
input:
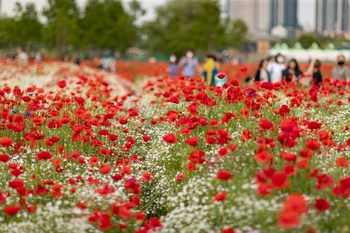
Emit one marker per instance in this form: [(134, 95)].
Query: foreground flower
[(220, 196), (6, 142), (44, 155), (62, 83), (288, 219), (170, 138), (322, 204), (11, 209), (223, 175)]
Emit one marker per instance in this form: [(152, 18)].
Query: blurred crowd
[(276, 69), (189, 65), (271, 69), (23, 57)]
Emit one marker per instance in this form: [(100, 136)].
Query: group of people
[(23, 57), (189, 65), (106, 62), (275, 70), (75, 58)]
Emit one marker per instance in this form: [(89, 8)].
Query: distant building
[(255, 13), (264, 15), (244, 10), (285, 13), (332, 16), (291, 17), (277, 12), (262, 12)]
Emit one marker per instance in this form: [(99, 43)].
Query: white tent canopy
[(304, 55)]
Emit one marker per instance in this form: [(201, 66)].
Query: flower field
[(86, 151)]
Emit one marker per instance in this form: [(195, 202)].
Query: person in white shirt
[(22, 56), (276, 67)]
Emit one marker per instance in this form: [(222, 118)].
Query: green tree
[(237, 33), (136, 10), (184, 24), (307, 40), (28, 27), (7, 32), (61, 29), (106, 25), (24, 29)]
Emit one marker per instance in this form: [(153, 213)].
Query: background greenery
[(107, 24)]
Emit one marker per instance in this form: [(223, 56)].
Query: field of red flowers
[(86, 151)]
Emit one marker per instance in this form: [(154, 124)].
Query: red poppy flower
[(62, 83), (105, 221), (192, 141), (227, 230), (222, 152), (4, 158), (279, 180), (340, 162), (105, 169), (44, 155), (16, 184), (210, 140), (322, 204), (132, 186), (243, 69), (140, 216), (295, 203), (146, 138), (122, 211), (221, 75), (314, 125), (265, 124), (153, 223), (223, 175), (288, 156), (312, 144), (11, 209), (220, 196), (324, 181), (267, 85), (147, 176), (180, 177), (288, 220), (6, 142), (263, 157), (170, 138), (197, 156), (117, 177)]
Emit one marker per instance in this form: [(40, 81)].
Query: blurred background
[(235, 30)]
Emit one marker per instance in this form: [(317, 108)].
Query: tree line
[(108, 24)]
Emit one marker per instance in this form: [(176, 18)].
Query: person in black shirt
[(292, 72), (316, 74)]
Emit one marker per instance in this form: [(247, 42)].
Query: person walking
[(108, 62), (189, 64), (22, 56), (314, 71), (173, 68), (76, 59), (341, 72), (210, 70), (292, 72), (262, 75), (276, 67)]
